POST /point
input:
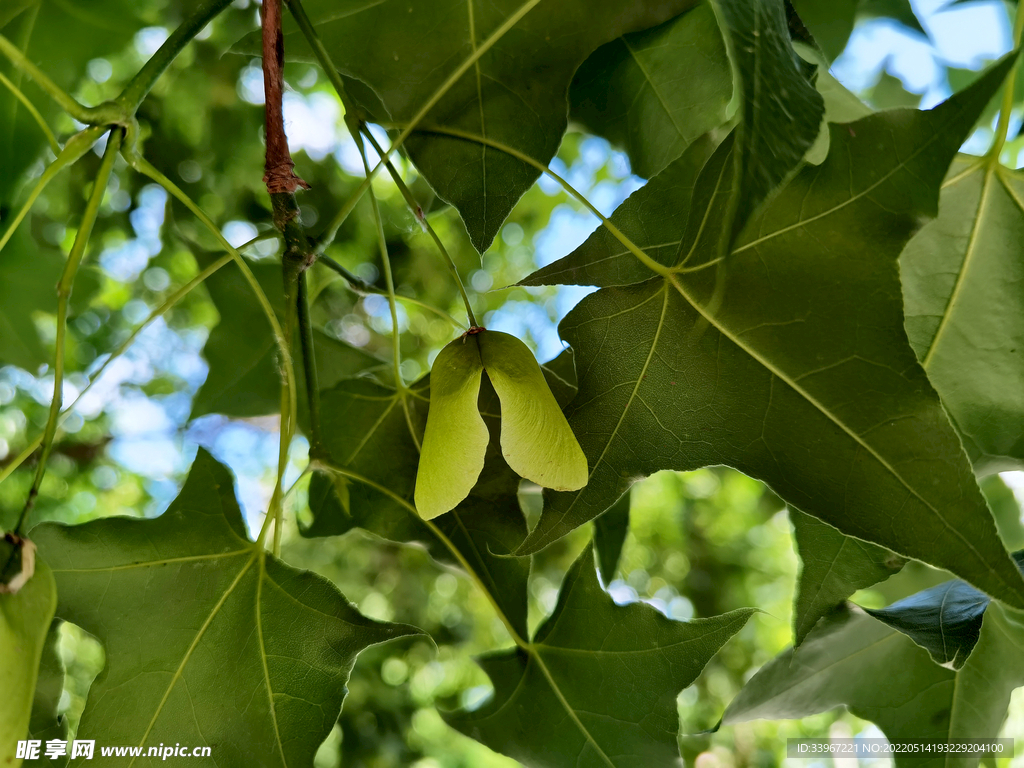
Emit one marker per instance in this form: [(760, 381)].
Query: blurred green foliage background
[(699, 544)]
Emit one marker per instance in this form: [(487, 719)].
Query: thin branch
[(309, 366), (357, 125), (279, 176), (1003, 126), (139, 87), (67, 281)]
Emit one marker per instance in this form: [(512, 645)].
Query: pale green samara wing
[(455, 438), (536, 440)]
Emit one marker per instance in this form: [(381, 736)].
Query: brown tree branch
[(279, 176)]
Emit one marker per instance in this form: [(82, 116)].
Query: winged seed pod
[(536, 440)]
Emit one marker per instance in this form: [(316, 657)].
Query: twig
[(309, 366), (299, 253), (67, 281), (279, 175)]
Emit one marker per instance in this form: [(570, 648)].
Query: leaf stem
[(357, 125), (289, 389), (330, 468), (140, 85), (421, 217), (327, 236), (67, 281), (14, 89), (1003, 126), (396, 335), (309, 366), (24, 64), (409, 127), (388, 279), (146, 168)]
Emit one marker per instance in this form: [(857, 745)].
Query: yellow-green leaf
[(455, 439), (24, 620), (536, 440)]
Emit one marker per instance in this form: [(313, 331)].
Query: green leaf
[(789, 362), (649, 218), (610, 530), (897, 10), (881, 675), (889, 93), (535, 438), (245, 378), (841, 106), (455, 439), (12, 8), (965, 316), (209, 640), (1006, 511), (829, 22), (772, 136), (24, 620), (514, 93), (780, 111), (598, 684), (656, 92), (944, 620), (45, 723), (834, 567), (27, 286)]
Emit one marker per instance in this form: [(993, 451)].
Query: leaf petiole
[(396, 336), (67, 281)]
